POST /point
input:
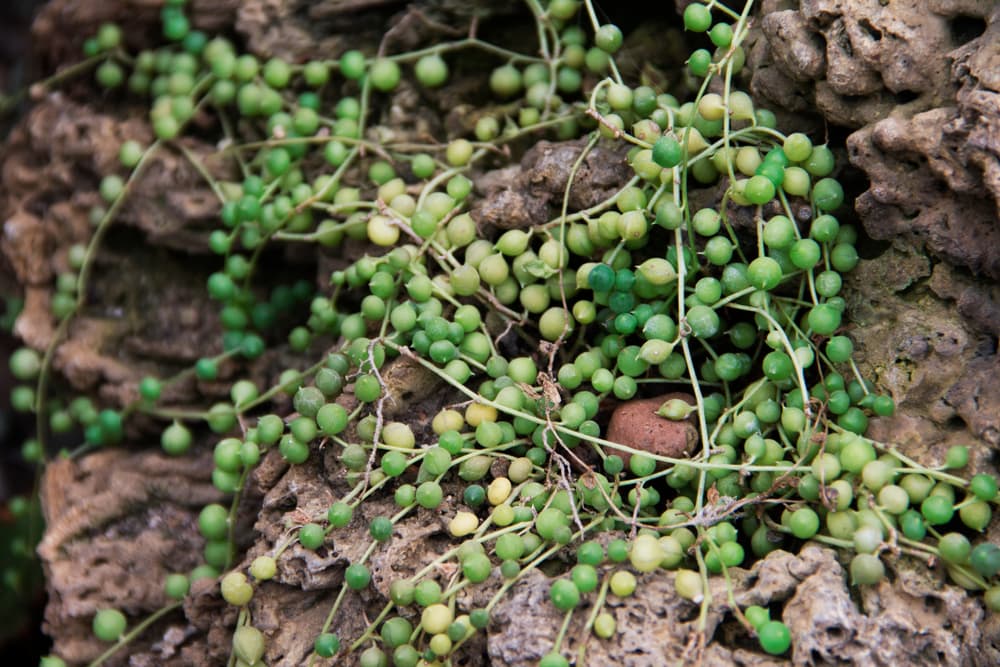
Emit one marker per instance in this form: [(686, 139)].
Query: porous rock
[(923, 621), (300, 29), (533, 193), (911, 342), (857, 61), (117, 524)]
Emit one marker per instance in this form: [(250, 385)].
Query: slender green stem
[(602, 595), (234, 506), (135, 632), (562, 630), (83, 281)]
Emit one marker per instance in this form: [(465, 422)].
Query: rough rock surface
[(918, 82), (520, 196), (299, 29), (950, 197), (859, 60), (125, 328), (926, 327), (934, 161), (117, 524), (659, 628)]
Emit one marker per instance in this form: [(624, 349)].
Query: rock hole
[(872, 31), (690, 613), (845, 44), (82, 133), (933, 604), (956, 423), (835, 632), (913, 287), (37, 207), (479, 658), (733, 635), (869, 248), (905, 96), (987, 347), (966, 28)]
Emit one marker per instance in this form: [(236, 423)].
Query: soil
[(911, 88)]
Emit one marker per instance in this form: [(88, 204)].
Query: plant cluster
[(628, 298)]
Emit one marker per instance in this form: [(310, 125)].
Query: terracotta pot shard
[(636, 424)]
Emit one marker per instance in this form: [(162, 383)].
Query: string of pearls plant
[(637, 294)]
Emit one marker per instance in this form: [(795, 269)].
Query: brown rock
[(637, 425), (533, 192)]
